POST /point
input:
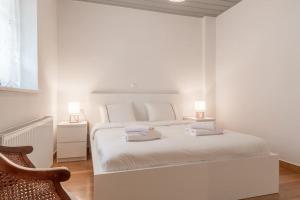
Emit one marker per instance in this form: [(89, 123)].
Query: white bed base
[(217, 180)]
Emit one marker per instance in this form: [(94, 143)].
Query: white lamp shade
[(74, 108), (200, 106)]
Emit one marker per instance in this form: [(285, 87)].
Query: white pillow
[(177, 112), (117, 113), (103, 114), (160, 111)]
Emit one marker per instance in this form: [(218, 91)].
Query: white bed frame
[(215, 180)]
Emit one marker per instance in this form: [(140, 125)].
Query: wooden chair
[(18, 155), (20, 180)]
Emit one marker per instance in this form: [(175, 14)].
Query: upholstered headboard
[(137, 99)]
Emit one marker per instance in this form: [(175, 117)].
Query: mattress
[(174, 148)]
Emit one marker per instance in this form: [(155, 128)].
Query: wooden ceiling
[(195, 8)]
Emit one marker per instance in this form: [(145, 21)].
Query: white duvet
[(175, 147)]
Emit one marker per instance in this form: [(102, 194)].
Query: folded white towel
[(137, 129), (137, 133), (200, 125), (152, 135), (203, 132)]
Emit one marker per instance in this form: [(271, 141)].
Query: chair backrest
[(18, 155), (18, 182)]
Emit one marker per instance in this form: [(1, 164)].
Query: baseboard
[(290, 166), (60, 160)]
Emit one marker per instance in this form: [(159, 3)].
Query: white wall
[(16, 108), (258, 67), (209, 64), (107, 48)]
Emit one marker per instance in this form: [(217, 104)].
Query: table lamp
[(74, 112), (200, 107)]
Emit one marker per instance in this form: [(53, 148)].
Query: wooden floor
[(81, 182)]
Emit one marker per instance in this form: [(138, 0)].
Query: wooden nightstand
[(71, 141)]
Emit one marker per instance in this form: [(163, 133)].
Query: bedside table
[(207, 122), (71, 141)]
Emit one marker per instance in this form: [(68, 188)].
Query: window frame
[(19, 90), (28, 90)]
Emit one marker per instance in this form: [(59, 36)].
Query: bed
[(178, 166)]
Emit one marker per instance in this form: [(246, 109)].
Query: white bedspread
[(175, 147)]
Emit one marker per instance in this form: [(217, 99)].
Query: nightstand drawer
[(72, 134), (71, 150)]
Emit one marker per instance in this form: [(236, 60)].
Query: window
[(18, 44)]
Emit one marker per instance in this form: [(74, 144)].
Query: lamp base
[(200, 115), (74, 118)]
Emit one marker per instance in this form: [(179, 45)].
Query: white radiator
[(38, 134)]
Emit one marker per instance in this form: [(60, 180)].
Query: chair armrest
[(60, 174), (23, 149)]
